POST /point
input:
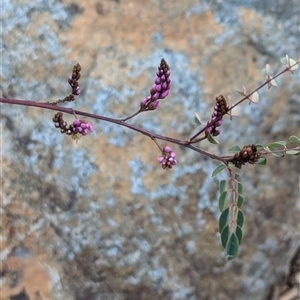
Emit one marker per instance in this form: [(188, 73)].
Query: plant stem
[(111, 120)]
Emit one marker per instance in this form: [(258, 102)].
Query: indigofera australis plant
[(231, 197)]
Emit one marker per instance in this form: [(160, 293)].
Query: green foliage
[(223, 220), (212, 140), (218, 169), (232, 246), (222, 185), (222, 200), (255, 97), (289, 63), (234, 149), (295, 140), (196, 121), (232, 218), (240, 201), (276, 148), (279, 148), (262, 161), (259, 147)]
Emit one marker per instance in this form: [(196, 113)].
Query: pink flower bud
[(76, 122), (164, 94), (167, 149), (160, 159), (153, 105)]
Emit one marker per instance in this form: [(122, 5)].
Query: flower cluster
[(73, 82), (77, 128), (248, 154), (73, 79), (221, 108), (167, 159), (160, 88)]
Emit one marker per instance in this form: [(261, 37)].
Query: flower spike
[(160, 88)]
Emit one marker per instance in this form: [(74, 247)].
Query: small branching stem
[(111, 120)]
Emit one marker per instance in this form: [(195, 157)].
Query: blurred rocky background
[(101, 219)]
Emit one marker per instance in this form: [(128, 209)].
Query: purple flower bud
[(76, 91), (164, 94), (144, 102), (219, 123), (167, 149), (90, 127), (157, 80), (208, 130), (82, 127), (160, 159), (76, 122), (153, 90), (153, 105), (167, 159), (155, 96), (158, 88)]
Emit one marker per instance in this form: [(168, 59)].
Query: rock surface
[(101, 219)]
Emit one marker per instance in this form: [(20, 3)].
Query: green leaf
[(223, 220), (293, 152), (284, 60), (272, 82), (295, 140), (222, 200), (244, 92), (240, 188), (292, 62), (276, 145), (278, 154), (196, 120), (218, 169), (222, 186), (259, 147), (262, 161), (240, 218), (225, 235), (289, 62), (212, 140), (240, 201), (239, 233), (232, 246), (254, 97), (234, 149), (279, 145), (236, 176), (263, 72)]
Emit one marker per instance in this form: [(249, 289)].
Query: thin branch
[(110, 120)]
